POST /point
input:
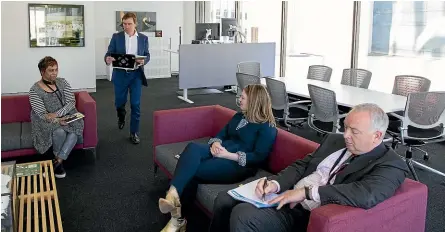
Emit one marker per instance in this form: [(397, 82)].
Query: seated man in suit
[(354, 169)]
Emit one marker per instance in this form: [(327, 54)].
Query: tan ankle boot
[(170, 202), (175, 225)]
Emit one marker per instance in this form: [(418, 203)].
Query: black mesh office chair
[(423, 122), (244, 80), (250, 67), (315, 72), (319, 72), (406, 84), (286, 111), (356, 77), (324, 108)]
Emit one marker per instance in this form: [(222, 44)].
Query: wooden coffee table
[(38, 208)]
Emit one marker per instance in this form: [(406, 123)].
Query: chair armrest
[(300, 105), (178, 125), (87, 106), (299, 102), (396, 116), (405, 211)]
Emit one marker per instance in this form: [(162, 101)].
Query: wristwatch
[(308, 192)]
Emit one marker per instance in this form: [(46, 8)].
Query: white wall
[(169, 17), (188, 32), (19, 61)]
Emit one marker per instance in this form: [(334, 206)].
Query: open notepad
[(73, 117), (247, 194)]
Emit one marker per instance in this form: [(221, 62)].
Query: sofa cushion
[(165, 154), (25, 137), (207, 193), (11, 136)]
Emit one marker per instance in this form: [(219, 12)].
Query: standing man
[(129, 42)]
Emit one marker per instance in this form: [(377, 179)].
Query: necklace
[(48, 82)]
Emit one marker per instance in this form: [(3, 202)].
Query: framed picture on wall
[(56, 25)]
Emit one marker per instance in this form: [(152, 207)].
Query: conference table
[(348, 96)]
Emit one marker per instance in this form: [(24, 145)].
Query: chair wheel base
[(299, 125)]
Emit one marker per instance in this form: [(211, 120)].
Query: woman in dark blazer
[(233, 155)]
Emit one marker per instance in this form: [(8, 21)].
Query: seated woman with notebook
[(235, 154), (52, 100)]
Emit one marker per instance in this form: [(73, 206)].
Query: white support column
[(355, 33), (283, 42)]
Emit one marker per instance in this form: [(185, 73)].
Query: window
[(216, 7), (318, 35), (263, 18), (402, 38), (408, 28), (218, 14)]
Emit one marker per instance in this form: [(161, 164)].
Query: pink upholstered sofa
[(16, 125), (174, 129)]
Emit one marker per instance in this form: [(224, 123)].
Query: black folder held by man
[(125, 61)]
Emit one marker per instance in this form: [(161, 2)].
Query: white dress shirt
[(320, 178), (131, 43)]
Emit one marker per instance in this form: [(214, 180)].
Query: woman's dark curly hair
[(45, 62)]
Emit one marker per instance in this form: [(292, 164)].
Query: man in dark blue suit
[(129, 41)]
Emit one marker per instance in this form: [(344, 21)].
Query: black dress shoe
[(121, 124), (121, 112), (135, 138)]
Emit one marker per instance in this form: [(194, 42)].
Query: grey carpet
[(118, 192)]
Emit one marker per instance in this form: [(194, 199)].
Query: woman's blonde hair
[(259, 105)]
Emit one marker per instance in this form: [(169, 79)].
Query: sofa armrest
[(287, 149), (87, 106), (178, 125), (405, 211), (221, 116)]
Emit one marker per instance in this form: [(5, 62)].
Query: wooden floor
[(38, 203)]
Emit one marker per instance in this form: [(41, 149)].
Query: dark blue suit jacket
[(368, 180), (254, 139), (117, 45)]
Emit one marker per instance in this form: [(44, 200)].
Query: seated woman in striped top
[(51, 100)]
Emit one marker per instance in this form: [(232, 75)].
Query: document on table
[(246, 193)]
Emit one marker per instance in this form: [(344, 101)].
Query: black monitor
[(225, 25), (201, 30)]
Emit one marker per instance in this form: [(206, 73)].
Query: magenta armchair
[(16, 112), (405, 211)]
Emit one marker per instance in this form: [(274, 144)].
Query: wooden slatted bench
[(38, 208)]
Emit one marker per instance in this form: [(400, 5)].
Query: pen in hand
[(264, 188)]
